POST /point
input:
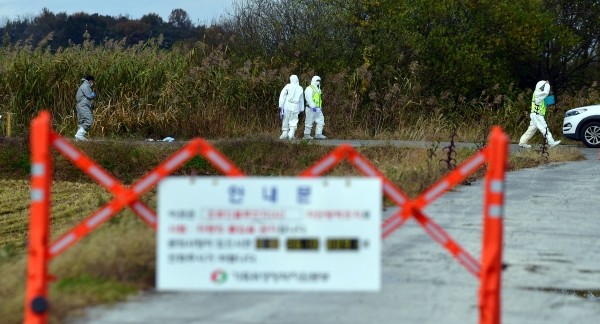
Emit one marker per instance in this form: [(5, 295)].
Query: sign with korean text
[(277, 234)]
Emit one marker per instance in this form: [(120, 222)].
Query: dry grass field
[(119, 258)]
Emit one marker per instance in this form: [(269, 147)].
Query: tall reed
[(187, 91)]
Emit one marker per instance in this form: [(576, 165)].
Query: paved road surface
[(552, 247)]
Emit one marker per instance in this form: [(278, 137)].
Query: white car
[(583, 124)]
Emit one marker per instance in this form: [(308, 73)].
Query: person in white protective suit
[(314, 112), (291, 103), (84, 98), (538, 111)]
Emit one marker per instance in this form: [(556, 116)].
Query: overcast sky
[(202, 11)]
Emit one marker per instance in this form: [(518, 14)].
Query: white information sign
[(266, 233)]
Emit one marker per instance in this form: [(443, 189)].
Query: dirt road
[(552, 248)]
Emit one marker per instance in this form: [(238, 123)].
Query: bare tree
[(570, 52)]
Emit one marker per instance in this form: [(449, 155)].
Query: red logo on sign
[(218, 276)]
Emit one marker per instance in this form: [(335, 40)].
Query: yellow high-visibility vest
[(541, 109), (316, 96)]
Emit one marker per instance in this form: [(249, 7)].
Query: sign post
[(269, 234)]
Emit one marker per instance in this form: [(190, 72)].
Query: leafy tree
[(570, 46), (134, 30), (156, 23), (180, 19), (42, 25), (16, 29), (153, 20), (469, 46)]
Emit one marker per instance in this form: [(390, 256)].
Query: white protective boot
[(550, 139), (525, 145), (320, 136), (307, 136), (284, 135), (80, 135), (292, 133)]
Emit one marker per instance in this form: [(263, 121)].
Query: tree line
[(458, 47), (69, 29), (464, 46)]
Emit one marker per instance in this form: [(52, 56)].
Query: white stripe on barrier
[(391, 191), (392, 224), (440, 237), (147, 182), (495, 211), (497, 186), (467, 168), (104, 213), (101, 176), (176, 160), (469, 263), (56, 247), (36, 195), (441, 187), (216, 159), (62, 146), (144, 212), (323, 165), (366, 168), (37, 169)]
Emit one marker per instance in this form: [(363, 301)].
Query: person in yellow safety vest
[(314, 112), (291, 103), (538, 110)]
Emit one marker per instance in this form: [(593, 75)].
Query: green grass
[(118, 258), (95, 289)]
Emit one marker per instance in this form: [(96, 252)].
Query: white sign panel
[(284, 234)]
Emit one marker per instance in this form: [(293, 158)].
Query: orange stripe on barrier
[(393, 223), (129, 197), (327, 162), (440, 236), (489, 272), (40, 252), (85, 227), (145, 212), (396, 195), (217, 159), (452, 179), (431, 228), (87, 165)]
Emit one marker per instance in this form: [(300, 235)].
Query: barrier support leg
[(491, 267), (36, 298)]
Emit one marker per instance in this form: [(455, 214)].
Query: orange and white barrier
[(36, 295), (41, 252), (490, 268)]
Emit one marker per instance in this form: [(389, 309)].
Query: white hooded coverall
[(313, 116), (291, 100), (537, 119)]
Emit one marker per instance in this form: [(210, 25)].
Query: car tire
[(590, 134)]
